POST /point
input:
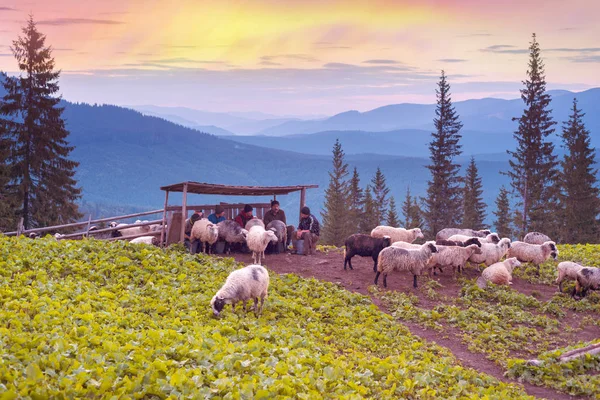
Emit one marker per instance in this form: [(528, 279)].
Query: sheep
[(444, 234), (250, 282), (280, 231), (364, 246), (397, 234), (499, 273), (231, 232), (452, 256), (567, 270), (254, 222), (536, 238), (411, 246), (397, 259), (587, 278), (258, 239), (491, 238), (472, 240), (206, 233), (533, 253), (491, 253), (152, 240)]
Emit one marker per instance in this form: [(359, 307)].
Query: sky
[(305, 57)]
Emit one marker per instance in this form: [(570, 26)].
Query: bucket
[(300, 246), (220, 247)]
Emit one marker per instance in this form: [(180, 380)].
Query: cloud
[(504, 49), (299, 57), (8, 9), (575, 50), (269, 63), (183, 60), (381, 62), (78, 21), (476, 34), (584, 59), (63, 49), (452, 60), (5, 55)]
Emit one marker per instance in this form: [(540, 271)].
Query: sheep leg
[(245, 307), (377, 277), (384, 280), (374, 264), (560, 286), (538, 269), (256, 314), (415, 281)]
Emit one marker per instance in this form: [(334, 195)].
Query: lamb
[(397, 234), (445, 242), (250, 282), (231, 232), (567, 270), (254, 222), (152, 240), (491, 238), (258, 239), (444, 234), (587, 278), (397, 259), (491, 253), (453, 256), (364, 246), (280, 231), (536, 238), (206, 233), (499, 273), (533, 253)]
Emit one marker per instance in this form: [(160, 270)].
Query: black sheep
[(364, 246)]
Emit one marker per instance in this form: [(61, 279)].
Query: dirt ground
[(330, 267)]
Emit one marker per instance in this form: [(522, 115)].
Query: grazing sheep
[(231, 232), (136, 230), (567, 270), (250, 282), (491, 238), (397, 259), (533, 253), (258, 239), (364, 246), (280, 230), (491, 253), (152, 240), (254, 222), (588, 278), (397, 234), (444, 234), (206, 233), (445, 242), (499, 273), (58, 236), (452, 256), (536, 238)]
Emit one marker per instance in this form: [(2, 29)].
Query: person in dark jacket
[(308, 230), (218, 215), (274, 214), (244, 216)]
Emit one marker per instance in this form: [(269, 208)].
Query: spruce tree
[(356, 202), (336, 208), (412, 212), (473, 204), (392, 214), (503, 214), (42, 176), (533, 165), (7, 217), (380, 192), (443, 202), (579, 199), (368, 220)]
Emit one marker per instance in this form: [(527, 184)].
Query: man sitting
[(218, 215), (308, 230), (192, 246), (244, 216), (277, 214)]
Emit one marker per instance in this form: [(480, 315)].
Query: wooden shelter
[(224, 190)]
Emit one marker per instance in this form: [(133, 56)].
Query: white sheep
[(250, 282), (499, 273), (397, 234), (254, 222), (567, 270), (536, 238), (151, 240), (588, 278), (258, 239), (206, 233), (136, 230), (491, 238), (533, 253), (444, 234), (397, 259), (491, 253), (452, 256)]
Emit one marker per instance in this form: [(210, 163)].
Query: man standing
[(218, 215), (308, 230)]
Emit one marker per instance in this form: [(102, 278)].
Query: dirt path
[(329, 267)]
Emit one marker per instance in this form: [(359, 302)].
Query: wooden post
[(183, 212), (87, 231), (20, 227), (302, 200), (164, 220)]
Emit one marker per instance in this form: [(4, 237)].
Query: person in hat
[(308, 230), (218, 215), (191, 245), (244, 216), (274, 214)]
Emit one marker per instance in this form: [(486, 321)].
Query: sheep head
[(418, 233), (387, 241), (271, 236)]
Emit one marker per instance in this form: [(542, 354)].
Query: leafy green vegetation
[(91, 319)]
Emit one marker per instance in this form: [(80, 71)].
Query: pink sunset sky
[(305, 57)]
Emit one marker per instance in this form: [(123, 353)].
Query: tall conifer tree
[(380, 193), (411, 212), (579, 198), (337, 205), (473, 204), (533, 165), (392, 214), (444, 195), (368, 219), (503, 214), (356, 202), (42, 176)]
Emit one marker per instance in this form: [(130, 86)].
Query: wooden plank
[(77, 234), (183, 213), (302, 199), (164, 219)]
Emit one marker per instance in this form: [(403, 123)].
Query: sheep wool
[(533, 253), (254, 222), (452, 256), (397, 259), (280, 230), (567, 270), (445, 233), (491, 238), (588, 278), (231, 232), (151, 240), (491, 253), (397, 234), (499, 273), (206, 232), (250, 282), (258, 239), (364, 246), (536, 238)]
